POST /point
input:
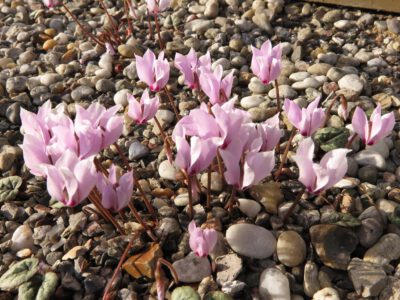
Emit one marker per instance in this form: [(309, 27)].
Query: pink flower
[(189, 66), (376, 128), (270, 133), (115, 193), (97, 128), (307, 121), (202, 242), (51, 3), (320, 177), (342, 112), (132, 9), (217, 89), (266, 62), (196, 156), (154, 72), (155, 7), (109, 49), (71, 179), (35, 154), (144, 110)]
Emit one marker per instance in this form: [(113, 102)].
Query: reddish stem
[(189, 179), (87, 33), (208, 206), (171, 102), (350, 142), (278, 101), (140, 220), (149, 22), (285, 154), (115, 27), (167, 145), (294, 205), (160, 41)]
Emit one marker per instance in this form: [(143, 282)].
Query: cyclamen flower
[(154, 72), (217, 89), (270, 133), (189, 66), (116, 193), (109, 49), (157, 6), (71, 179), (97, 128), (376, 128), (320, 177), (51, 3), (306, 120), (144, 110), (343, 112), (266, 62), (202, 242)]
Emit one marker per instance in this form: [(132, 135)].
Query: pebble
[(229, 267), (257, 87), (385, 250), (319, 69), (351, 82), (327, 293), (368, 278), (167, 171), (199, 26), (335, 74), (211, 10), (274, 285), (105, 85), (249, 207), (251, 101), (285, 91), (217, 183), (50, 78), (333, 244), (370, 158), (311, 282), (368, 174), (381, 147), (120, 97), (343, 24), (82, 93), (299, 76), (192, 268), (332, 16), (291, 248), (369, 232), (126, 50), (251, 240), (137, 150), (181, 200), (393, 25), (307, 83), (16, 84), (22, 238)]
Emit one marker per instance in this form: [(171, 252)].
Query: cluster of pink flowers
[(62, 150)]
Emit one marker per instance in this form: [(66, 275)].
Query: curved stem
[(189, 179), (167, 145), (283, 161), (208, 206), (350, 142), (115, 27), (278, 100), (294, 205), (160, 41), (140, 220), (81, 26), (171, 102)]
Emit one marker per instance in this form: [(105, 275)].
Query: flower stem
[(150, 28), (171, 102), (87, 33), (170, 267), (231, 201), (141, 221), (167, 145), (115, 27), (350, 142), (294, 205), (278, 100), (160, 41), (328, 110), (285, 154), (208, 206), (94, 198), (136, 180), (117, 269), (189, 179), (127, 7)]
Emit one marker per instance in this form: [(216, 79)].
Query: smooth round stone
[(257, 87), (319, 69), (216, 181), (369, 232), (249, 207), (274, 285), (22, 238), (299, 76), (106, 61), (370, 157), (251, 240), (351, 82), (368, 174), (50, 78), (167, 171), (291, 248), (285, 91), (182, 199), (327, 293), (192, 268), (251, 101), (121, 97), (385, 250), (105, 85), (334, 74), (342, 24), (126, 51), (137, 150), (82, 93), (260, 114), (377, 62), (381, 147), (306, 83)]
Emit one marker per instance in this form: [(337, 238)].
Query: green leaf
[(343, 219), (184, 293), (217, 295), (9, 187), (19, 273), (48, 286), (27, 291), (330, 138)]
